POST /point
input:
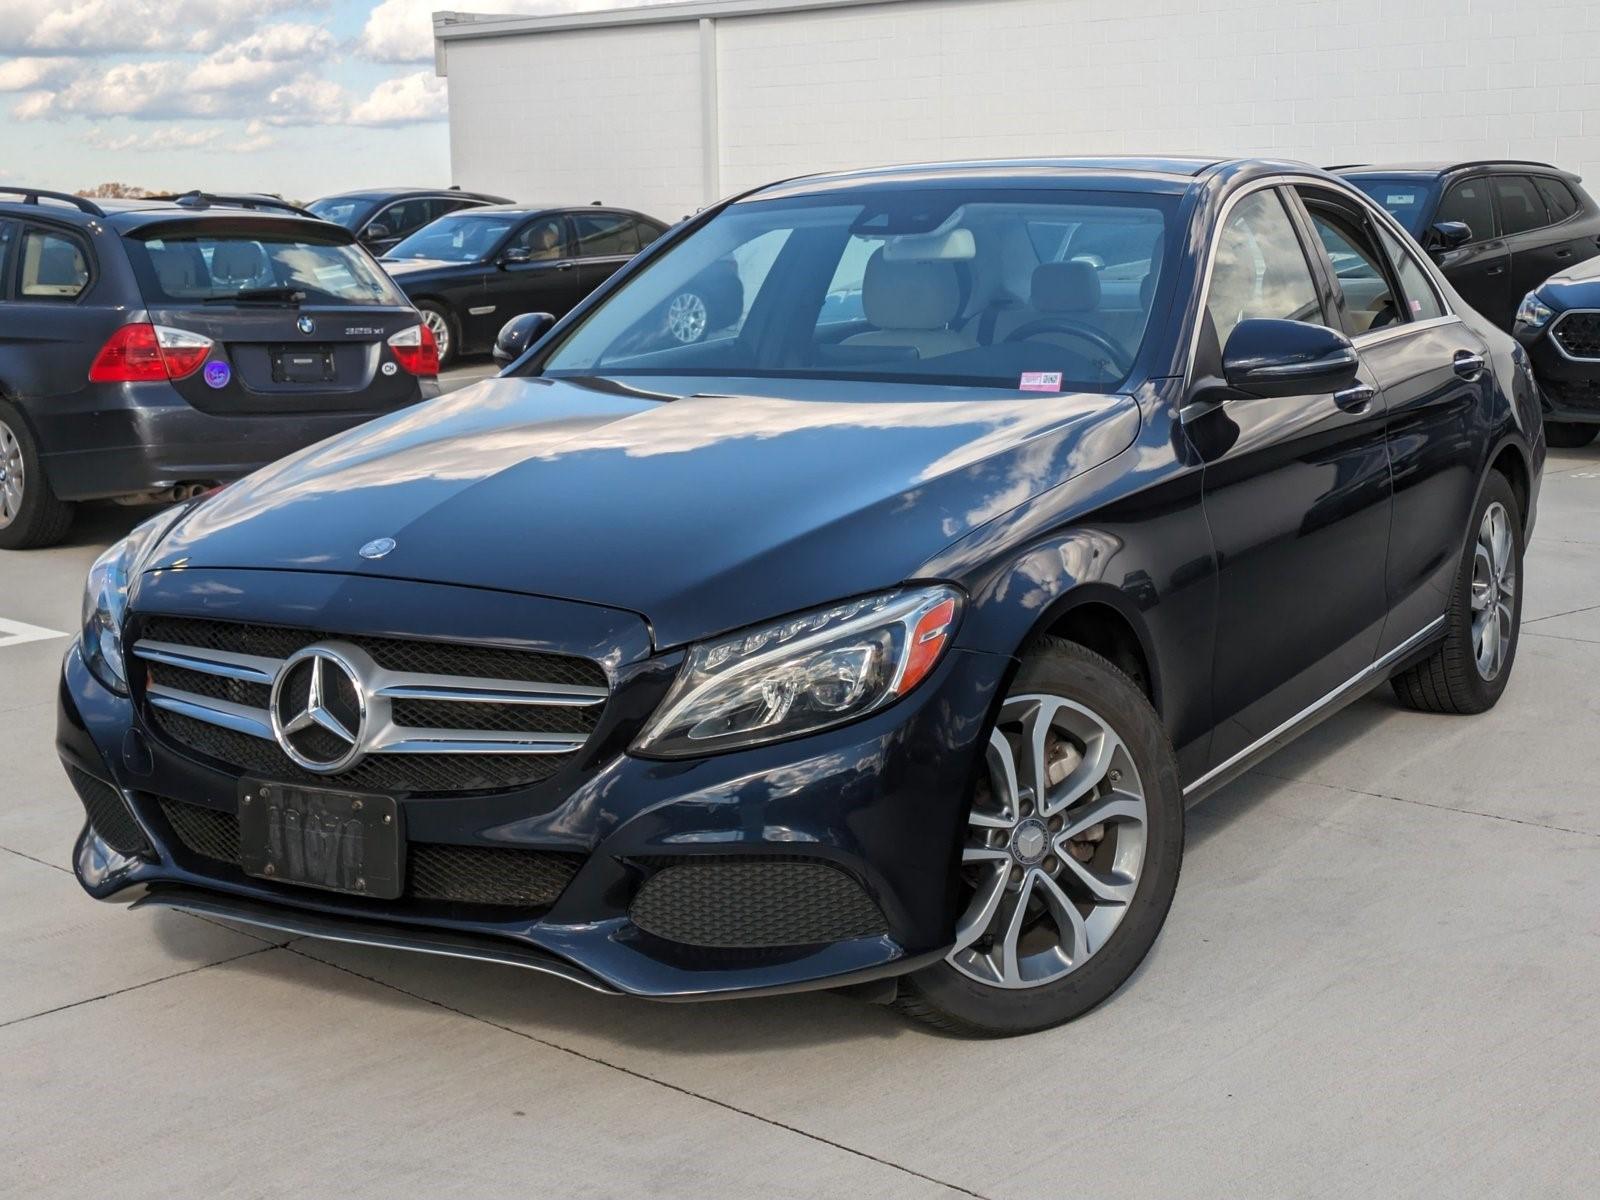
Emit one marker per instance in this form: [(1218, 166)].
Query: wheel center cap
[(1029, 842)]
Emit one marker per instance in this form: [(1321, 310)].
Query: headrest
[(910, 295), (237, 262), (1066, 287)]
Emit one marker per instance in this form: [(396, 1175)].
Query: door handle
[(1356, 399), (1564, 252), (1467, 364), (1500, 270)]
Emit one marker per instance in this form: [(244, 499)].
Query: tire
[(1453, 678), (1138, 854), (443, 327), (30, 514), (1565, 435)]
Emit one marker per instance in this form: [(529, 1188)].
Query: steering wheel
[(1110, 352)]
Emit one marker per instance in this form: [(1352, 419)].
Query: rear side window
[(55, 266), (1260, 269), (271, 267), (1417, 290), (1558, 197), (1469, 203), (606, 235), (648, 233), (1521, 208)]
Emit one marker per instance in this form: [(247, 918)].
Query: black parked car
[(880, 649), (384, 217), (471, 272), (1559, 323), (1497, 229), (150, 349)]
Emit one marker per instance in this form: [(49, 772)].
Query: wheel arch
[(1101, 618), (1511, 460)]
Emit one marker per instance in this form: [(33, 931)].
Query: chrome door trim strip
[(1364, 676)]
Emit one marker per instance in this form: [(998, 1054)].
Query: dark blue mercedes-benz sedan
[(877, 638)]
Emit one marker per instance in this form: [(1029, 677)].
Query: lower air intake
[(754, 903), (109, 815)]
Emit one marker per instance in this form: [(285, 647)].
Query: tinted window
[(1358, 266), (54, 266), (1260, 269), (8, 235), (1558, 197), (221, 268), (1521, 209), (405, 217), (545, 240), (649, 232), (1421, 300), (606, 235), (1405, 200), (1469, 203), (461, 237), (349, 211)]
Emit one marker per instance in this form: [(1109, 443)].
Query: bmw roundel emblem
[(306, 325), (376, 548)]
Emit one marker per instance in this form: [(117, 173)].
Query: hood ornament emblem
[(376, 548), (306, 325)]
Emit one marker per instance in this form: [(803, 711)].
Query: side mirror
[(515, 254), (1447, 235), (1287, 358), (517, 334), (375, 233)]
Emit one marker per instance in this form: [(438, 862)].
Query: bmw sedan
[(875, 644)]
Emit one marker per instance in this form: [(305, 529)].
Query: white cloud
[(101, 26), (177, 137), (25, 74), (405, 100)]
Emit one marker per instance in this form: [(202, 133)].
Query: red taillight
[(144, 353), (927, 643), (415, 350)]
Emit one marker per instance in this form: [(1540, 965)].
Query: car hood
[(701, 512)]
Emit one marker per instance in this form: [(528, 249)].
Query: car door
[(1537, 250), (1432, 370), (533, 271), (606, 241), (1481, 269), (1297, 494)]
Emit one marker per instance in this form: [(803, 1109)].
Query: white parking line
[(14, 633)]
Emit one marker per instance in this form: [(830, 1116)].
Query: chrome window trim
[(1556, 342), (1394, 333)]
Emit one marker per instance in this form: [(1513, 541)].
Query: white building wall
[(1321, 80)]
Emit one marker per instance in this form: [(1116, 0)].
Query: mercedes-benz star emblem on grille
[(306, 325), (376, 548), (319, 710)]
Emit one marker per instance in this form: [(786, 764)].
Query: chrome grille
[(1578, 333), (443, 717)]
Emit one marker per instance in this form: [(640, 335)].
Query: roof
[(394, 193), (1435, 169), (1134, 172)]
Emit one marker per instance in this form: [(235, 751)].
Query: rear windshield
[(1003, 288), (1405, 199), (349, 211), (460, 237), (197, 268)]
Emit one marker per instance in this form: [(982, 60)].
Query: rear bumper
[(121, 439)]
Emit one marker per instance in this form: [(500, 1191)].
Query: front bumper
[(1569, 388), (125, 439), (883, 801)]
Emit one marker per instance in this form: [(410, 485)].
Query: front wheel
[(1071, 853), (1567, 435), (443, 329)]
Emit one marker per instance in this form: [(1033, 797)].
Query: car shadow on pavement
[(102, 524)]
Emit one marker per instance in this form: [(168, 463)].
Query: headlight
[(802, 674), (1533, 313), (105, 598)]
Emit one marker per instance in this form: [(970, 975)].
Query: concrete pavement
[(1379, 976)]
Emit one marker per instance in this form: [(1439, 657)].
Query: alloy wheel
[(687, 318), (12, 476), (1494, 591), (1055, 844), (439, 326)]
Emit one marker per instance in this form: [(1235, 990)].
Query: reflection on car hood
[(701, 513), (415, 266)]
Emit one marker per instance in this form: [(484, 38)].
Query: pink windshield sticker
[(1040, 381)]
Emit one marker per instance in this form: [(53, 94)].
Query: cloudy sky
[(301, 97)]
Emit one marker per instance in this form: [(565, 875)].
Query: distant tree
[(115, 191)]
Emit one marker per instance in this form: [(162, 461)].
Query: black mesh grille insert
[(754, 903), (108, 814), (435, 871), (1574, 393), (1579, 334)]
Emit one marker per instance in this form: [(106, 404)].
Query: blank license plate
[(307, 364), (338, 841)]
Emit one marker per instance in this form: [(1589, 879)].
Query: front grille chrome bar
[(251, 668), (240, 718)]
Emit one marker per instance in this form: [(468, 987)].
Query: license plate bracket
[(347, 842), (302, 364)]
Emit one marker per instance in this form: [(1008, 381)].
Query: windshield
[(349, 211), (1038, 290), (1406, 199), (202, 268), (460, 237)]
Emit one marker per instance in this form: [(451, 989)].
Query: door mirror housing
[(515, 254), (375, 233), (1447, 235), (517, 334), (1269, 358)]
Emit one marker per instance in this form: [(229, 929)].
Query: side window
[(606, 235), (54, 266), (8, 236), (1469, 203), (1260, 268), (545, 240), (648, 232), (405, 217), (1521, 207), (1421, 299), (1558, 197), (1358, 266)]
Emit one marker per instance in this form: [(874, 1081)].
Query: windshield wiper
[(268, 295)]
